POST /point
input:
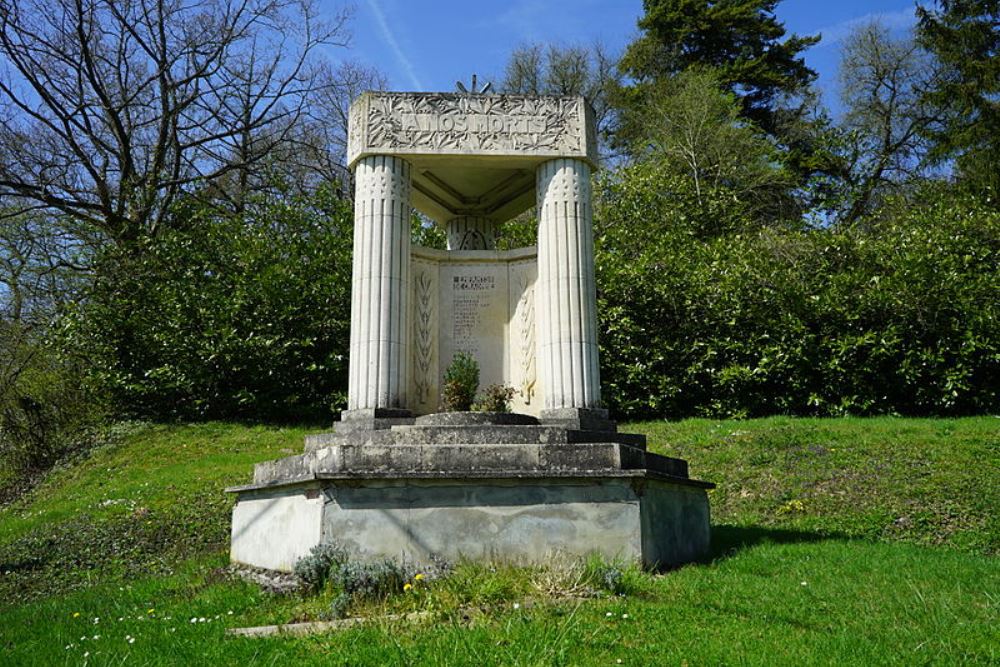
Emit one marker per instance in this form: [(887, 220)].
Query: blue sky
[(427, 45)]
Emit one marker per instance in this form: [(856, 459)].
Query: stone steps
[(396, 461), (471, 435)]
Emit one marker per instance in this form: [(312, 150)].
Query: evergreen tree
[(741, 40), (964, 35)]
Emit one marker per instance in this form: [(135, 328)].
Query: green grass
[(834, 578)]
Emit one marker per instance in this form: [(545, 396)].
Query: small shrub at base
[(461, 381), (495, 398)]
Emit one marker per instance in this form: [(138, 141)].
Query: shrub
[(461, 381), (315, 569), (894, 315), (495, 398), (46, 414), (224, 315)]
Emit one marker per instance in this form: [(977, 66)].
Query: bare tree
[(883, 80), (111, 108), (536, 69)]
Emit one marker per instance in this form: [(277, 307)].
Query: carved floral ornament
[(397, 122)]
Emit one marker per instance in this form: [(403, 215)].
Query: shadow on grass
[(727, 541)]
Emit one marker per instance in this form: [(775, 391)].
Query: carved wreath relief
[(526, 320), (484, 122), (424, 337)]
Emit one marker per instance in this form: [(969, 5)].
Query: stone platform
[(472, 485)]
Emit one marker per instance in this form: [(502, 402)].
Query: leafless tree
[(111, 108), (537, 69), (882, 84)]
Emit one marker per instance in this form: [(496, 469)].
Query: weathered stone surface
[(531, 520), (475, 419)]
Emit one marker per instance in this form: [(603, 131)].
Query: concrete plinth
[(458, 486)]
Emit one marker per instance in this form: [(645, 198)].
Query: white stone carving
[(471, 233), (566, 287), (442, 123), (526, 322), (380, 284), (423, 333)]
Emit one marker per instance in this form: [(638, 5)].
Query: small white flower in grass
[(609, 615), (121, 618), (131, 640), (194, 620), (67, 646), (83, 639), (624, 615), (803, 583), (86, 654), (97, 637), (230, 612), (201, 620), (618, 661), (517, 605)]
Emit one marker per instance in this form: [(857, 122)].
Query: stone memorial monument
[(396, 478)]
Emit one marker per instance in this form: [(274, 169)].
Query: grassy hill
[(859, 541)]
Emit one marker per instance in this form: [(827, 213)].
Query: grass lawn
[(848, 541)]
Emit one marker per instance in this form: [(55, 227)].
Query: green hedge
[(899, 315)]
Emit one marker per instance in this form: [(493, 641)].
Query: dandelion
[(418, 577), (407, 586), (150, 611), (76, 614)]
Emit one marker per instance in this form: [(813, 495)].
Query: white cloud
[(835, 33), (393, 43)]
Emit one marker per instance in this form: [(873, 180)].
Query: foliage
[(895, 316), (964, 36), (692, 128), (461, 381), (360, 581), (495, 398), (323, 560), (743, 42), (237, 315), (45, 412)]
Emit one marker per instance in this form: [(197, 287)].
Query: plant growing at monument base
[(495, 398), (461, 381)]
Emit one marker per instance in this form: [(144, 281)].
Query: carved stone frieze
[(442, 124)]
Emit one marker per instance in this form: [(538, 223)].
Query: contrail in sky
[(836, 33), (390, 39)]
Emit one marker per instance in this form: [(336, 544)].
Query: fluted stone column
[(470, 232), (379, 288), (567, 294)]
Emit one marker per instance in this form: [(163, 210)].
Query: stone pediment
[(472, 155)]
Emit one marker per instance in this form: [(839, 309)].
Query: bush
[(224, 315), (45, 412), (495, 398), (323, 560), (895, 315), (461, 380)]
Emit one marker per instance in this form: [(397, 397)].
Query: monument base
[(516, 491)]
